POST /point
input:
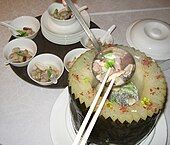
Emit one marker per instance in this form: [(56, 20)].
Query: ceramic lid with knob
[(150, 36)]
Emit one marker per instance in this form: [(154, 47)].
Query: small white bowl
[(46, 59), (23, 43), (59, 6), (26, 21), (71, 55), (98, 33)]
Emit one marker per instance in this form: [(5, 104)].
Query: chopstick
[(94, 119), (90, 111)]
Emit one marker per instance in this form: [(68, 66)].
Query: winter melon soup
[(130, 111), (120, 62)]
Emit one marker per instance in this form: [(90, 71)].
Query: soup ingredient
[(63, 14), (26, 31), (18, 55), (22, 33), (119, 61), (43, 73), (126, 95)]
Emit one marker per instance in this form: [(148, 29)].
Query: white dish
[(64, 30), (59, 7), (98, 33), (26, 21), (65, 40), (22, 43), (150, 36), (71, 55), (61, 35), (46, 59), (62, 131)]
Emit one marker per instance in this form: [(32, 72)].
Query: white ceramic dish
[(60, 35), (71, 55), (150, 36), (46, 59), (62, 131), (60, 7), (26, 21), (64, 30), (63, 40), (22, 43), (98, 33)]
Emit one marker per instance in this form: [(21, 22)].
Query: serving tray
[(45, 46)]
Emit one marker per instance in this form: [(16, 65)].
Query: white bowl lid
[(150, 36)]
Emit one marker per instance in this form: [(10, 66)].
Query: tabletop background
[(24, 108)]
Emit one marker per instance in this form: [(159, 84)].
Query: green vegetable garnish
[(109, 63), (49, 73), (20, 53), (22, 33)]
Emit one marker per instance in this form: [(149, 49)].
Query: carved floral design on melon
[(147, 61), (110, 105), (146, 102), (148, 78), (123, 109)]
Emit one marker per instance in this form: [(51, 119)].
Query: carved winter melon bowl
[(131, 111)]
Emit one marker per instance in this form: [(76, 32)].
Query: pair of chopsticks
[(79, 140)]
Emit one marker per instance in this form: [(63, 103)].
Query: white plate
[(62, 132), (58, 29), (66, 40)]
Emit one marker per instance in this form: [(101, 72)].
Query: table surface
[(25, 108)]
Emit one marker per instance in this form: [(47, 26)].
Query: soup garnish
[(26, 31), (43, 73), (63, 14), (18, 55)]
